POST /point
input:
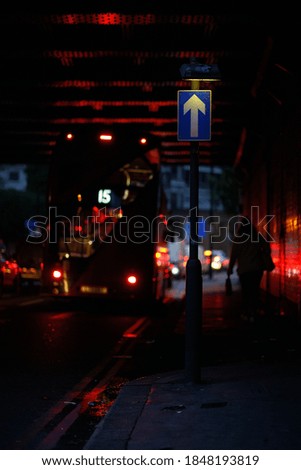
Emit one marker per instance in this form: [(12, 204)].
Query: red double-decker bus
[(105, 234)]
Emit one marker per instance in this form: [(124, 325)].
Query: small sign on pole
[(194, 115)]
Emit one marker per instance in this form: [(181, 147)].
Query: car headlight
[(175, 270)]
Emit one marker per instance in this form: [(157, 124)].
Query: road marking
[(90, 387), (30, 302), (134, 331)]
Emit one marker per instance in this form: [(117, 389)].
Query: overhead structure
[(68, 66)]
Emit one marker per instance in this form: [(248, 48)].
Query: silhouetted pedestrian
[(246, 252)]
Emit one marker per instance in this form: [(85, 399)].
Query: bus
[(106, 228)]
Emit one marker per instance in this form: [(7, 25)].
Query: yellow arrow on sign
[(194, 104)]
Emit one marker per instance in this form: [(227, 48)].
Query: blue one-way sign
[(194, 115)]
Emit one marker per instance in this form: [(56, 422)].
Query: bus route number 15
[(104, 196)]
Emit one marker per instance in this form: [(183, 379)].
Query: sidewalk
[(253, 403)]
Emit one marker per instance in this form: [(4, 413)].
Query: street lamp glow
[(200, 72)]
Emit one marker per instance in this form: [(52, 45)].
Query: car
[(29, 257), (9, 274), (219, 261), (30, 276)]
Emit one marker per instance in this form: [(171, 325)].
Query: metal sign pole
[(194, 124), (194, 283)]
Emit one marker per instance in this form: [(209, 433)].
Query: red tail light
[(132, 280), (57, 274), (105, 137)]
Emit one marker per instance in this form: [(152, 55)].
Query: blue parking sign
[(194, 115)]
